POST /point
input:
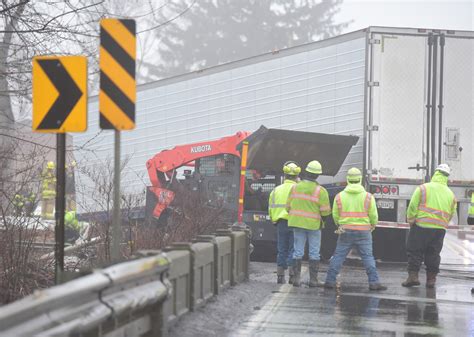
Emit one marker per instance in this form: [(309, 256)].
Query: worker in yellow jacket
[(279, 217), (470, 215), (355, 213), (308, 205), (431, 208)]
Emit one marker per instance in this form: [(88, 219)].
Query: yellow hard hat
[(291, 168), (50, 165), (69, 216), (354, 175), (314, 167)]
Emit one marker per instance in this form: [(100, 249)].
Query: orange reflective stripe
[(357, 227), (316, 192), (303, 196), (433, 221), (354, 214), (368, 197), (434, 211), (339, 202), (423, 194), (293, 189), (296, 212)]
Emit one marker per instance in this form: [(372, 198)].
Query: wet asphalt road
[(260, 307), (353, 310)]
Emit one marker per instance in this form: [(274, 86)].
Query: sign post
[(60, 203), (117, 99), (60, 106)]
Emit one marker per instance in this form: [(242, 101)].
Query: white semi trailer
[(406, 93)]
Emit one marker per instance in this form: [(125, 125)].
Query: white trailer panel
[(317, 87)]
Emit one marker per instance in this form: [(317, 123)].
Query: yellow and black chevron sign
[(59, 94), (117, 74)]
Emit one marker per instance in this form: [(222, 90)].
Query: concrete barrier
[(179, 276), (201, 270), (222, 260), (204, 272), (240, 242)]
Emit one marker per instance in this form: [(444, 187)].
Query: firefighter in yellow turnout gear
[(279, 217), (355, 213), (431, 208), (308, 205), (48, 191)]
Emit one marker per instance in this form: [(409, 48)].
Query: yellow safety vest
[(306, 203), (356, 211), (278, 199), (433, 204)]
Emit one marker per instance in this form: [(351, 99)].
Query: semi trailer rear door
[(421, 103)]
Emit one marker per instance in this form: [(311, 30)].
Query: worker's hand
[(372, 228), (339, 230)]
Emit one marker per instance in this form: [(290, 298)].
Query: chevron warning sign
[(60, 94), (117, 74)]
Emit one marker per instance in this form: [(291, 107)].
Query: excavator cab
[(218, 180)]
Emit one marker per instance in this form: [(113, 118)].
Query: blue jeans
[(314, 242), (284, 244), (362, 240)]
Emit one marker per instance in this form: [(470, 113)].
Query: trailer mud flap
[(269, 149)]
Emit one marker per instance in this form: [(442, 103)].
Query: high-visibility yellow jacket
[(278, 199), (48, 184), (355, 209), (471, 210), (433, 204), (307, 202)]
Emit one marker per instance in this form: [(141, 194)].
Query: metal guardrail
[(143, 297)]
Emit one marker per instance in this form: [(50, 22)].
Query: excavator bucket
[(269, 149)]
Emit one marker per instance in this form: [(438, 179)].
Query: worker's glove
[(339, 230)]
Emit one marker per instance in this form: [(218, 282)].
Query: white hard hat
[(444, 168)]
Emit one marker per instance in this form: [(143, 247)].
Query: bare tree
[(192, 35), (21, 233)]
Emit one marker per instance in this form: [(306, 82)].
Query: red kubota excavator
[(212, 170)]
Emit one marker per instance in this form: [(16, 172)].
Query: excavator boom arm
[(169, 160)]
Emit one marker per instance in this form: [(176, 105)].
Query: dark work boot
[(430, 279), (297, 272), (412, 279), (377, 287), (280, 275), (291, 275), (313, 273)]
